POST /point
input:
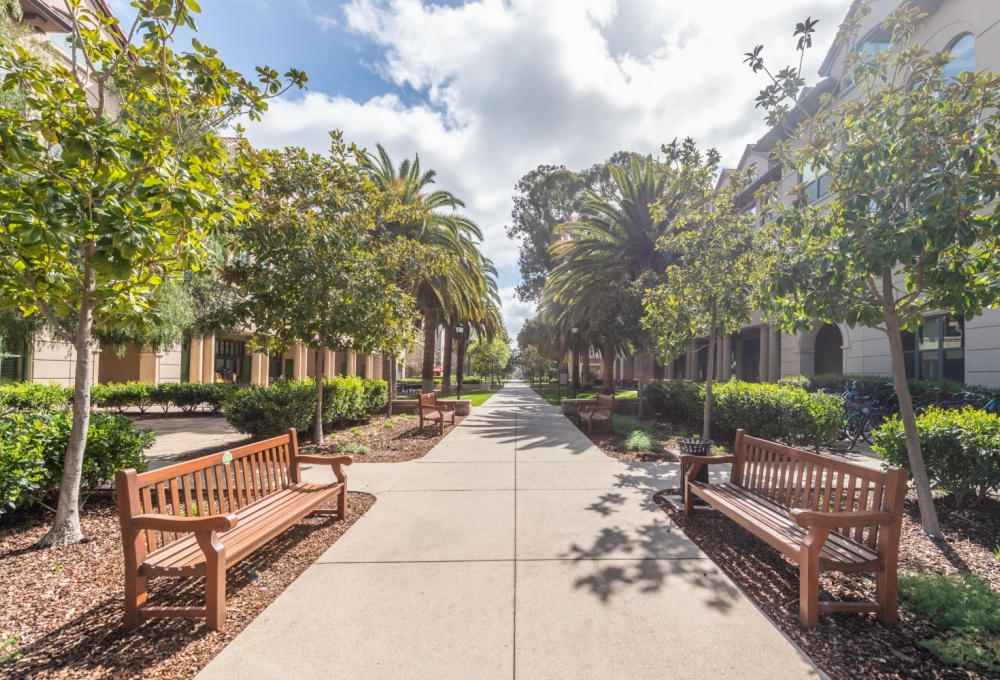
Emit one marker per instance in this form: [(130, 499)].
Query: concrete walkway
[(514, 549)]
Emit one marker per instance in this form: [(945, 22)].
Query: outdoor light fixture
[(574, 330), (459, 329)]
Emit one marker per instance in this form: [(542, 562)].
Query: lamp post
[(459, 330), (575, 330)]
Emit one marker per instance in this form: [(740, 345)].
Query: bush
[(921, 390), (33, 451), (965, 609), (638, 440), (120, 396), (263, 412), (801, 382), (776, 413), (33, 397), (961, 450), (681, 401)]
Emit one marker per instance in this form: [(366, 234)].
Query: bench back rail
[(210, 485), (799, 479)]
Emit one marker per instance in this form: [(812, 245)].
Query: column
[(775, 351), (377, 364), (352, 363), (299, 352), (369, 366), (95, 366), (258, 369), (691, 365), (765, 353), (194, 367), (727, 358), (149, 367), (208, 360), (329, 364)]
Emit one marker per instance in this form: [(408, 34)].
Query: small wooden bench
[(200, 517), (602, 411), (826, 515), (431, 409)]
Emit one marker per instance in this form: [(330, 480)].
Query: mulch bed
[(391, 440), (849, 646), (64, 606)]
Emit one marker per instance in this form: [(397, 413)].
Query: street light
[(459, 329), (575, 330)]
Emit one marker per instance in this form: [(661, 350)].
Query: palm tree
[(447, 275)]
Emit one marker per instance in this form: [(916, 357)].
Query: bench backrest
[(606, 401), (799, 479), (429, 399), (216, 484)]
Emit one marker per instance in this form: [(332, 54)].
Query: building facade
[(945, 346)]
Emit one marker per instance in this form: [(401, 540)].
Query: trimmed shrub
[(263, 412), (921, 390), (120, 396), (33, 451), (34, 397), (775, 412), (638, 440), (801, 382), (961, 450), (681, 401)]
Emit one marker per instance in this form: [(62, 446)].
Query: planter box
[(626, 407), (409, 406)]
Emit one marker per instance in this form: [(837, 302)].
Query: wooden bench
[(826, 515), (199, 517), (431, 409), (602, 411)]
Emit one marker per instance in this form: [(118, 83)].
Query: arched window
[(963, 51)]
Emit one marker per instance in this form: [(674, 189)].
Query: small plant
[(997, 552), (351, 447), (356, 431), (9, 651), (962, 607), (638, 440), (389, 423)]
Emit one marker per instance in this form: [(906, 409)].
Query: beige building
[(945, 346)]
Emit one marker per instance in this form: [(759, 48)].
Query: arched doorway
[(829, 353)]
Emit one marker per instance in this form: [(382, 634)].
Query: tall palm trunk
[(430, 330), (585, 378), (608, 367), (446, 361)]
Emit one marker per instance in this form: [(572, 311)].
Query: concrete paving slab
[(367, 621), (549, 449), (596, 524), (457, 477), (373, 478), (470, 452), (644, 619), (654, 477), (431, 526), (538, 475)]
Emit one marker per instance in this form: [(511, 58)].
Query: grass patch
[(965, 609), (552, 395), (9, 650), (351, 447), (477, 397)]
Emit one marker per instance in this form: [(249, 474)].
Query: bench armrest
[(184, 525), (446, 406), (855, 518), (335, 461), (440, 408), (690, 459)]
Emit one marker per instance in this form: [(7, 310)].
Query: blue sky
[(486, 90)]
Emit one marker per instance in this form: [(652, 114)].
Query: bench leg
[(886, 595), (342, 502), (215, 579), (135, 598), (809, 575)]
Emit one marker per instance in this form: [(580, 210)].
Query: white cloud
[(514, 311), (511, 84)]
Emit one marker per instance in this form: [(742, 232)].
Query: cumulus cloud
[(505, 85)]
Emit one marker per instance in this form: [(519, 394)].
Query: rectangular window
[(817, 183), (289, 369), (343, 368), (13, 362), (361, 371), (937, 350)]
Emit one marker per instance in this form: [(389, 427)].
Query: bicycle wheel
[(872, 423)]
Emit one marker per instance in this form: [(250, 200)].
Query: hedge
[(263, 412), (33, 451), (116, 396), (961, 449), (768, 411), (33, 397), (870, 384)]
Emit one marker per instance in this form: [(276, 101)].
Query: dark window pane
[(908, 359), (909, 342), (954, 335), (929, 366), (930, 334), (289, 368), (823, 185), (954, 365)]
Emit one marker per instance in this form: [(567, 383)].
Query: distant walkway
[(514, 549)]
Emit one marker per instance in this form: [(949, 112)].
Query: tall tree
[(447, 274), (113, 180), (311, 270), (708, 289), (913, 224)]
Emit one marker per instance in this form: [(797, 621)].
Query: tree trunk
[(646, 367), (66, 526), (446, 361), (575, 354), (392, 384), (586, 365), (317, 435), (706, 430), (430, 330), (928, 514), (608, 367)]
